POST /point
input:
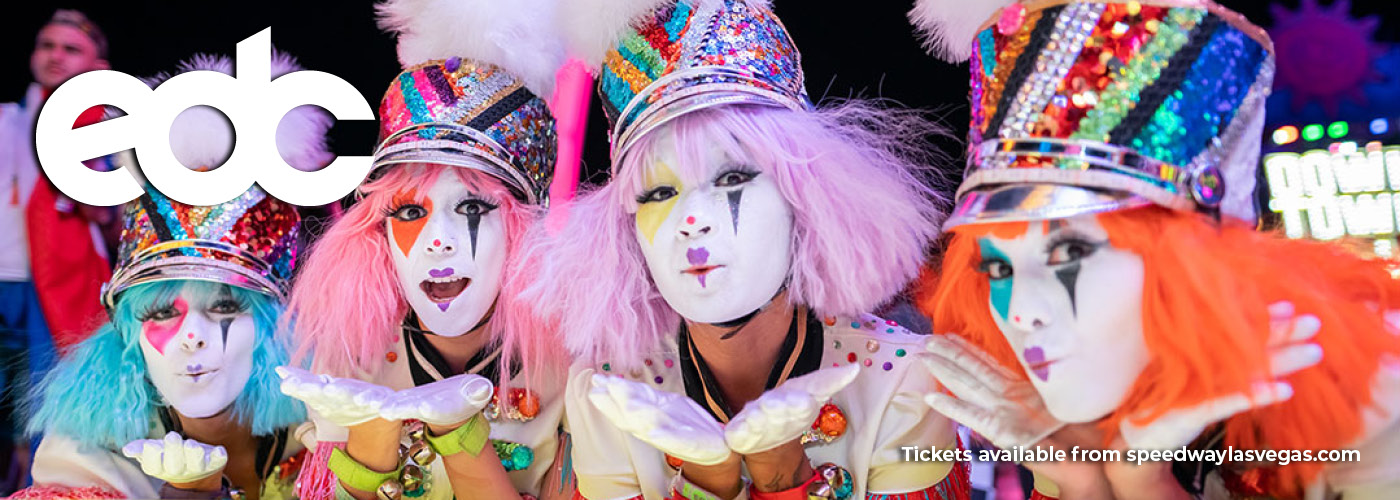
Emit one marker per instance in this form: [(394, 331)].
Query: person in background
[(52, 256)]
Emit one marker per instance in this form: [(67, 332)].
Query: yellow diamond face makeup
[(651, 215), (720, 246)]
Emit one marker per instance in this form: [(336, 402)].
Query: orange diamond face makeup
[(449, 250)]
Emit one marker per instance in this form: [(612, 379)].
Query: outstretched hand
[(344, 402), (990, 400), (175, 460), (447, 402), (785, 412), (669, 422)]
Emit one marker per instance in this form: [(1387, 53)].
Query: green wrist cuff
[(470, 437), (355, 475)]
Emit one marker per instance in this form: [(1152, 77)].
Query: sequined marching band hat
[(249, 241), (663, 59), (1082, 107), (472, 92)]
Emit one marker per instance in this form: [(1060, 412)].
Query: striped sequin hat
[(472, 92), (249, 241), (1082, 107), (677, 57)]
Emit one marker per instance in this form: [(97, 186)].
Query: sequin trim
[(1072, 28), (1206, 101), (1143, 69)]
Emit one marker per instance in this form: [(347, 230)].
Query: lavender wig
[(99, 394), (864, 213), (347, 302)]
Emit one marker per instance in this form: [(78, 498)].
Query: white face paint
[(199, 351), (717, 247), (449, 248), (1070, 305)]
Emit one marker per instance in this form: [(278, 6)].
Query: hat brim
[(190, 269), (1030, 202)]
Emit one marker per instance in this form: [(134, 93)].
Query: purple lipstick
[(1035, 360), (441, 288), (698, 268)]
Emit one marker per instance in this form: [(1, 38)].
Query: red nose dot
[(437, 243), (191, 335), (690, 220), (1017, 319)]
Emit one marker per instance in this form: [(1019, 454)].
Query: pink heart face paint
[(199, 349), (716, 237), (1071, 305), (159, 331), (451, 244)]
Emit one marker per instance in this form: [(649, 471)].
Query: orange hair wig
[(1206, 292)]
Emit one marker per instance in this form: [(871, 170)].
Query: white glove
[(176, 460), (1289, 352), (342, 401), (669, 422), (784, 413), (991, 400), (449, 401)]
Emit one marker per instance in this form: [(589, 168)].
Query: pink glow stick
[(572, 90)]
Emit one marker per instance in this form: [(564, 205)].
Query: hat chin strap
[(740, 322)]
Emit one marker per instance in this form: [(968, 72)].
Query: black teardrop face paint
[(473, 225), (223, 325), (734, 197), (1069, 277)]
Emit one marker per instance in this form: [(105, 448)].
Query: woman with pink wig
[(404, 302), (713, 292)]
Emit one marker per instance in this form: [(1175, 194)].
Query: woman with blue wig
[(176, 397)]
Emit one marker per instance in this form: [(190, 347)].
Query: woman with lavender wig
[(404, 304), (713, 291)]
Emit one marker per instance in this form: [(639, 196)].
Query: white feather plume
[(519, 36), (201, 137), (593, 26), (948, 27)]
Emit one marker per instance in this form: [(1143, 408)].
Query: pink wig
[(864, 213), (347, 304)]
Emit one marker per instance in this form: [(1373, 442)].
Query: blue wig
[(100, 396)]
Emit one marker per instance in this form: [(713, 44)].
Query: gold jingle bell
[(389, 490), (421, 453), (412, 478)]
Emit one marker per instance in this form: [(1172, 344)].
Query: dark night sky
[(868, 51)]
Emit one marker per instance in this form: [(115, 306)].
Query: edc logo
[(254, 105)]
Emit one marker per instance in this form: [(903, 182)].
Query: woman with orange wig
[(1104, 284)]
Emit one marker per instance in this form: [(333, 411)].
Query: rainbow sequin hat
[(249, 241), (470, 93), (1083, 107), (683, 56)]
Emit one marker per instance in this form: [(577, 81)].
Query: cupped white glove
[(449, 401), (785, 412), (175, 460), (667, 421), (1289, 352), (341, 401), (990, 400)]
